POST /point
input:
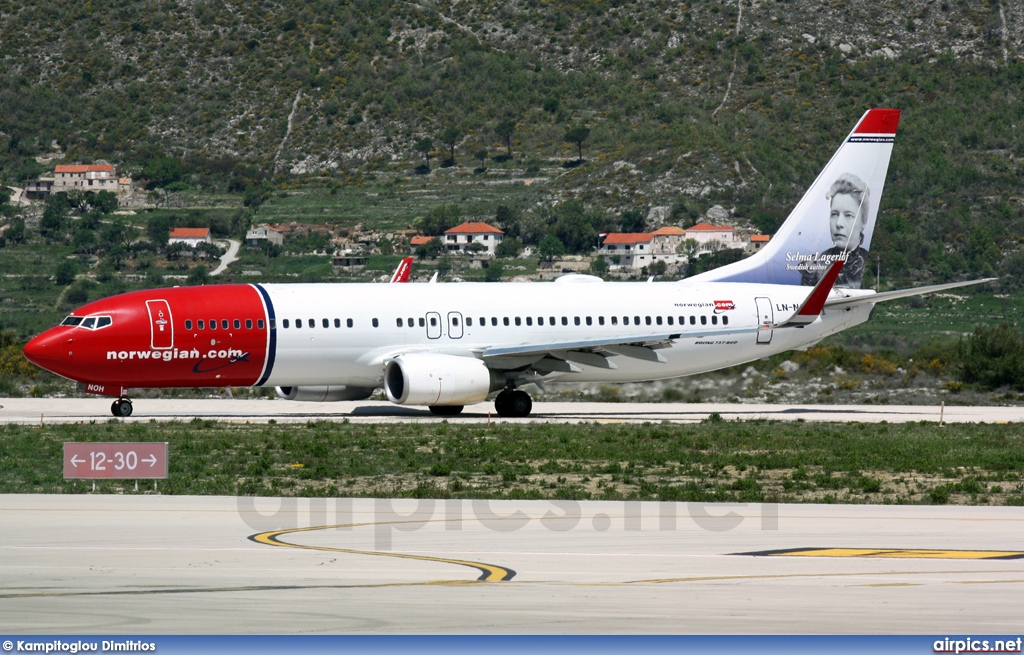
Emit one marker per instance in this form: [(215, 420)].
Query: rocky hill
[(712, 102)]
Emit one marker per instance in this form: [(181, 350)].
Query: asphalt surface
[(148, 565), (70, 410)]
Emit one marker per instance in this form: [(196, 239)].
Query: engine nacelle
[(320, 394), (432, 379)]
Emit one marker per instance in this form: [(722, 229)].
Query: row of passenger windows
[(517, 320), (225, 324)]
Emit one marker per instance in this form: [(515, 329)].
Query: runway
[(74, 410), (89, 564)]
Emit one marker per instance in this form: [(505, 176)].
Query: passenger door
[(765, 317)]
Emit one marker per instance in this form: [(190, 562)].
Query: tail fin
[(835, 218), (403, 271)]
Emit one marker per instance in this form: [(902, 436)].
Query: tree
[(633, 221), (158, 229), (431, 249), (439, 219), (507, 220), (162, 171), (481, 154), (84, 242), (15, 230), (688, 248), (449, 136), (197, 275), (549, 248), (494, 272), (508, 248), (424, 145), (65, 273), (54, 216), (105, 201), (504, 129), (577, 134), (599, 266), (574, 227)]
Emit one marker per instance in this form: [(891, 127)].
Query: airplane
[(403, 271), (445, 346)]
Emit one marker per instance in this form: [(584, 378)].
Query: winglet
[(815, 302), (403, 271)]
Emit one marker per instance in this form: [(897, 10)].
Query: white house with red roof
[(713, 237), (190, 236), (261, 233), (462, 236), (86, 177), (639, 249)]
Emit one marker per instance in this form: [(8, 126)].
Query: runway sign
[(115, 461)]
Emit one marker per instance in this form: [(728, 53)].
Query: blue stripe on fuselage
[(272, 326)]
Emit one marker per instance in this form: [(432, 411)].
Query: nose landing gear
[(121, 408), (513, 403)]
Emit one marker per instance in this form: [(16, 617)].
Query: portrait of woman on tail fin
[(848, 210)]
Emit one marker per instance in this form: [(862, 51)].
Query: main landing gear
[(513, 403), (121, 408)]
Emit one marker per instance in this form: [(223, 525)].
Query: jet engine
[(319, 394), (433, 379)]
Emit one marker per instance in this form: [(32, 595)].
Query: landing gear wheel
[(121, 408), (513, 404), (446, 410)]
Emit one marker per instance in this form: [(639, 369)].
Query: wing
[(860, 299)]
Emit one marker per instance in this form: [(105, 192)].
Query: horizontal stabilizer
[(872, 298)]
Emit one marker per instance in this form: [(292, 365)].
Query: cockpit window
[(88, 322)]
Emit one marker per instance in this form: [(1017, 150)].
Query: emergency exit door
[(161, 327)]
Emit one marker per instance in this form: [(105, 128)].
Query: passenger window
[(576, 320), (636, 320), (348, 322), (422, 323), (483, 321), (398, 321), (188, 324), (703, 320), (412, 322), (590, 321), (259, 324), (682, 320), (519, 321), (376, 323), (505, 320), (625, 320), (615, 320), (237, 324), (565, 320), (455, 321), (200, 325), (337, 322), (224, 323), (494, 321), (213, 324), (433, 322), (298, 323), (648, 318), (670, 320), (540, 320), (725, 320), (312, 323), (714, 320), (552, 320), (600, 320), (248, 324), (693, 320), (469, 321), (529, 320), (657, 319), (326, 323)]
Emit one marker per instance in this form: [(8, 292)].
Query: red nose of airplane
[(47, 350)]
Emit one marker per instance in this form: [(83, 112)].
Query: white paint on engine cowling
[(321, 393), (434, 379)]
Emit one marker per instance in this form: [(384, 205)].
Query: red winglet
[(811, 308), (879, 121)]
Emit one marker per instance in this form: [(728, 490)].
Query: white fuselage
[(469, 318)]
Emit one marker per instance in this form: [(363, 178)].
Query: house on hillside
[(627, 249), (83, 177), (190, 236), (264, 234), (713, 237), (757, 241), (418, 241), (460, 237)]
